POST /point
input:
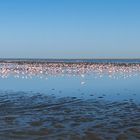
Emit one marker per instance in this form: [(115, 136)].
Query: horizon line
[(8, 58)]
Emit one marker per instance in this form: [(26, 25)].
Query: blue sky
[(70, 28)]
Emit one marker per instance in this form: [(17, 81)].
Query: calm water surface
[(70, 101)]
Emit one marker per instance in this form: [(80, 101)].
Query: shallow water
[(69, 101)]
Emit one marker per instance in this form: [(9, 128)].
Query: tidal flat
[(48, 117), (69, 101)]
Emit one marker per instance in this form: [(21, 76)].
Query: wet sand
[(41, 117)]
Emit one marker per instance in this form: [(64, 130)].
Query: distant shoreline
[(72, 61), (70, 58)]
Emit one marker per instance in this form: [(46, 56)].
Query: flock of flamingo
[(29, 70)]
